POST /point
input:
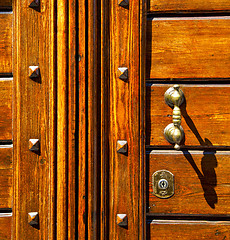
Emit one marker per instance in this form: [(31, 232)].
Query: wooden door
[(169, 43), (187, 45)]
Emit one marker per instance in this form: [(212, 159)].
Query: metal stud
[(33, 219), (122, 73), (122, 146), (122, 220), (123, 3), (34, 145), (35, 4), (34, 72)]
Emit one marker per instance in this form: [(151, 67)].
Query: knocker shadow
[(209, 162)]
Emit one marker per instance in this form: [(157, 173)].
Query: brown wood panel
[(6, 174), (6, 43), (5, 109), (205, 115), (188, 48), (188, 230), (5, 3), (186, 5), (34, 118), (202, 182), (126, 121), (5, 226)]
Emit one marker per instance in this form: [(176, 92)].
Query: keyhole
[(163, 184)]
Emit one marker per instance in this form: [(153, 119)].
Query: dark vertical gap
[(107, 190), (99, 137), (86, 119)]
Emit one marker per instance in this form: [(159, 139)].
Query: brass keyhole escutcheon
[(163, 184)]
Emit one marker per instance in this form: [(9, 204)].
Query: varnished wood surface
[(82, 133), (201, 182), (186, 5), (5, 4), (5, 226), (6, 174), (5, 109), (62, 118), (6, 21), (125, 170), (205, 115), (72, 143), (34, 118), (187, 230), (188, 48)]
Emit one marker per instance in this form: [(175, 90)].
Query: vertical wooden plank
[(142, 171), (82, 131), (72, 217), (104, 211), (62, 118), (33, 117), (93, 148), (127, 120)]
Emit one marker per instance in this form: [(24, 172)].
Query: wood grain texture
[(5, 226), (187, 230), (201, 182), (33, 113), (72, 102), (205, 115), (6, 175), (62, 119), (5, 3), (188, 48), (82, 132), (125, 169), (186, 5), (6, 21), (105, 64), (5, 109), (93, 131)]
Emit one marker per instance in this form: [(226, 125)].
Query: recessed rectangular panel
[(188, 48), (6, 43), (5, 226), (187, 5), (6, 174), (5, 109), (205, 115), (201, 182), (188, 230)]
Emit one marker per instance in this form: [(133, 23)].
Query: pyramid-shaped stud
[(123, 3), (33, 219), (122, 73), (122, 220), (34, 145), (34, 72), (122, 146), (35, 4)]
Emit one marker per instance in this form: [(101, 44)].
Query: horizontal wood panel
[(5, 226), (5, 3), (202, 183), (186, 5), (188, 48), (205, 115), (6, 43), (5, 109), (6, 174), (188, 230)]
